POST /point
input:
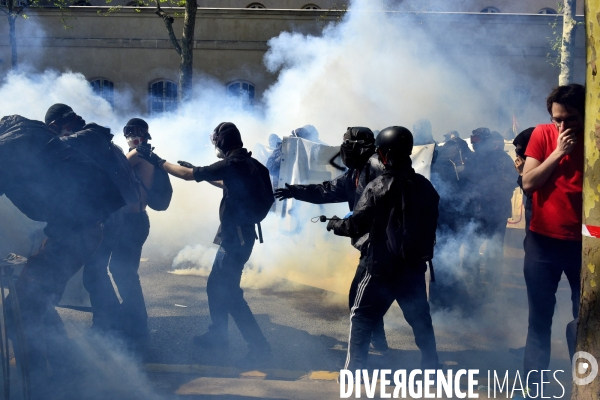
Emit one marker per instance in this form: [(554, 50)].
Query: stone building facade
[(129, 50)]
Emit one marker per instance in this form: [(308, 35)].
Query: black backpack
[(159, 197), (260, 191), (412, 224)]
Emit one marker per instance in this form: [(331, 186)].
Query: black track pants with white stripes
[(374, 297)]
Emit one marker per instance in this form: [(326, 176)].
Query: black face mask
[(356, 153)]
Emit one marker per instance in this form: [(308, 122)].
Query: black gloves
[(145, 151), (281, 194), (333, 223), (186, 164)]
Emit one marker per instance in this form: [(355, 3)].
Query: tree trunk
[(568, 44), (12, 33), (588, 332), (187, 51)]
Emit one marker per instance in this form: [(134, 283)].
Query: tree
[(12, 10), (588, 332), (185, 49), (568, 43)]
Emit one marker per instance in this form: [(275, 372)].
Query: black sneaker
[(211, 341), (380, 347)]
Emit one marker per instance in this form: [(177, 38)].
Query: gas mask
[(355, 153), (219, 152), (134, 141)]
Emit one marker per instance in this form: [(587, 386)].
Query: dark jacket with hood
[(48, 180), (237, 171), (95, 141), (372, 213), (347, 187)]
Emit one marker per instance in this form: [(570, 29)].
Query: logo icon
[(581, 367)]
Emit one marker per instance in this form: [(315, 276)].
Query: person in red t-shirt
[(553, 173)]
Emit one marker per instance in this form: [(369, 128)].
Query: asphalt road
[(308, 329)]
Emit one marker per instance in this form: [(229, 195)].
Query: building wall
[(131, 48), (505, 6)]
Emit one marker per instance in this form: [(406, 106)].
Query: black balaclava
[(358, 146), (226, 137), (60, 114)]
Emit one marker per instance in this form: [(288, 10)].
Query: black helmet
[(394, 144), (358, 146), (137, 127)]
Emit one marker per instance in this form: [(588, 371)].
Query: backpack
[(260, 192), (412, 223), (159, 197)]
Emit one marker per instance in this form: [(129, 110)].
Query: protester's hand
[(186, 164), (566, 142), (332, 223), (145, 152), (519, 164), (284, 193)]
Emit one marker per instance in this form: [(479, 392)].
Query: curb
[(232, 372)]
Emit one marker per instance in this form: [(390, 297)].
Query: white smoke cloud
[(371, 69)]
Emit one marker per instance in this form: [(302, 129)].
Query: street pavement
[(308, 331)]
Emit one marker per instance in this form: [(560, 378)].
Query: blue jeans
[(546, 259)]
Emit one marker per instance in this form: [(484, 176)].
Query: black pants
[(226, 297), (40, 287), (546, 259), (104, 300), (374, 297), (122, 245), (378, 336)]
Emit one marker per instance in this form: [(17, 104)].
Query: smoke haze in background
[(371, 69)]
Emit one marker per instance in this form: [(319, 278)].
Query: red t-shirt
[(557, 206)]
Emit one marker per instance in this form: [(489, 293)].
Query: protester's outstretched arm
[(186, 164), (178, 171), (145, 152)]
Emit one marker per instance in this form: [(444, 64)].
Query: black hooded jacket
[(48, 180), (235, 170), (95, 141), (372, 212), (347, 187)]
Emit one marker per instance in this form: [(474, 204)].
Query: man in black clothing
[(447, 176), (96, 142), (358, 154), (398, 196), (57, 184), (235, 175), (491, 178)]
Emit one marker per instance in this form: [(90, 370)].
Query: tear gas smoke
[(371, 69)]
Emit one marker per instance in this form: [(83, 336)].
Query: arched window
[(244, 91), (256, 5), (311, 7), (547, 10), (162, 96), (492, 10), (105, 89)]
